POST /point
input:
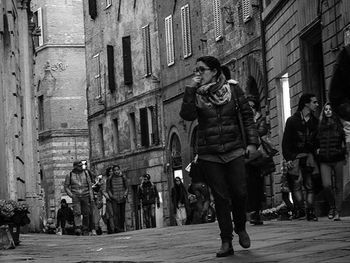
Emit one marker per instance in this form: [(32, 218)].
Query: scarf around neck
[(215, 93)]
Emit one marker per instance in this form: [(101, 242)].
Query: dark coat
[(331, 142), (339, 90), (218, 126), (299, 136), (148, 193)]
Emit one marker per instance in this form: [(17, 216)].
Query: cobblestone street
[(275, 241)]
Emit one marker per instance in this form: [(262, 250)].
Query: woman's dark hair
[(226, 71), (305, 99), (212, 63), (108, 170)]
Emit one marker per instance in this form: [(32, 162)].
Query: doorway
[(312, 64)]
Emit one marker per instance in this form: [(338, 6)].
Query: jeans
[(228, 183), (149, 215), (81, 207), (118, 215), (334, 192), (303, 179)]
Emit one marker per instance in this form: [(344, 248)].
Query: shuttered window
[(186, 31), (144, 127), (247, 10), (217, 20), (92, 9), (169, 40), (127, 63), (110, 63), (97, 74), (146, 50), (38, 34)]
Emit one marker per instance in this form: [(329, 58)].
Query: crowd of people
[(230, 162), (231, 147)]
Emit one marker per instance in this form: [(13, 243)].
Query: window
[(217, 20), (146, 50), (101, 140), (186, 31), (132, 123), (115, 135), (247, 10), (110, 61), (92, 9), (38, 34), (169, 40), (149, 127), (108, 3), (41, 113), (97, 74), (127, 63), (144, 127)]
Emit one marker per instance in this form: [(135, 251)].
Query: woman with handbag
[(220, 106), (331, 155)]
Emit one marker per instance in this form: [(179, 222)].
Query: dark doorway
[(312, 63)]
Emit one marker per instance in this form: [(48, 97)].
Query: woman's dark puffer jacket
[(331, 142), (218, 126)]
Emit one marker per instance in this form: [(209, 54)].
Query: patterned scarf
[(214, 94)]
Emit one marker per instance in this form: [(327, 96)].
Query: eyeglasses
[(200, 69)]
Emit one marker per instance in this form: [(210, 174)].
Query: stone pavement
[(275, 241)]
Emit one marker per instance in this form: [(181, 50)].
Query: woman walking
[(216, 105), (331, 154)]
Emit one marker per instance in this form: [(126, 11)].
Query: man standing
[(78, 186), (117, 190), (298, 149), (148, 196)]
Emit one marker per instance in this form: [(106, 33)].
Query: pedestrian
[(117, 189), (201, 192), (149, 197), (331, 155), (298, 149), (107, 210), (286, 191), (179, 197), (65, 219), (78, 186), (218, 106), (256, 192), (98, 204)]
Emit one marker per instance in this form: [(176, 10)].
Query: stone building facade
[(19, 169), (302, 41), (60, 93), (123, 94)]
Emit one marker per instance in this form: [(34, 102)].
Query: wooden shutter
[(147, 60), (97, 76), (217, 20), (144, 127), (127, 63), (246, 10), (92, 9), (186, 31), (110, 61), (169, 40)]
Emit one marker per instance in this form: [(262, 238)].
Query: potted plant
[(14, 215)]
